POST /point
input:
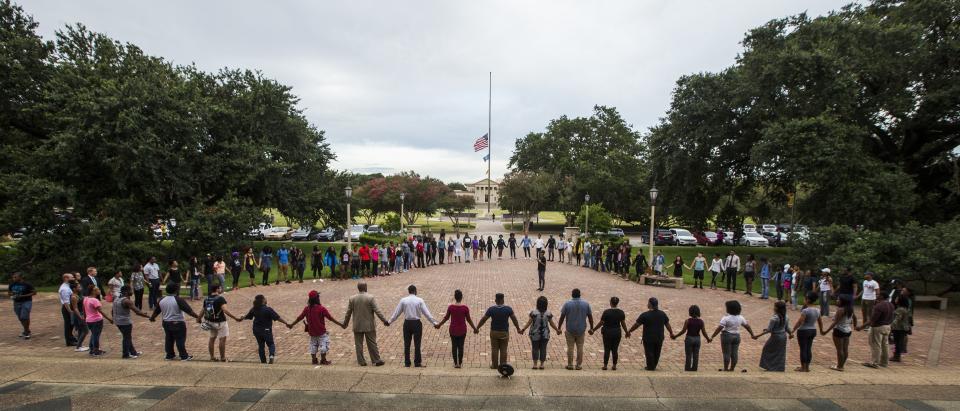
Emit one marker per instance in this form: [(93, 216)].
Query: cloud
[(414, 74)]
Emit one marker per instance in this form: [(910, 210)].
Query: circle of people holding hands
[(884, 318)]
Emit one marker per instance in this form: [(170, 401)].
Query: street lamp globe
[(403, 196), (586, 198), (653, 195), (349, 191)]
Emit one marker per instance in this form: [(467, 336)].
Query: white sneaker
[(81, 349)]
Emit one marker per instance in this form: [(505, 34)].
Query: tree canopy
[(856, 111), (101, 140), (600, 155)]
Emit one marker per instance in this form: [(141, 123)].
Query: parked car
[(374, 229), (728, 238), (683, 237), (768, 228), (662, 237), (753, 239), (278, 234), (18, 233), (616, 231), (706, 238), (329, 234), (302, 234), (749, 228), (356, 231), (260, 231)]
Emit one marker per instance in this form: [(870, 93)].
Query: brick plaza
[(479, 281)]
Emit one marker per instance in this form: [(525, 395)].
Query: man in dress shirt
[(412, 307), (65, 294), (732, 263), (151, 271)]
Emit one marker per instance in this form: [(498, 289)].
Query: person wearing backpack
[(215, 315)]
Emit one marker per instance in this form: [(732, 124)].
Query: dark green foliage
[(101, 140)]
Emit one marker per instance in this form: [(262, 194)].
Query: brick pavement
[(479, 282)]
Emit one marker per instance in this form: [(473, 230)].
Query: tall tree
[(526, 193), (110, 139), (856, 110), (598, 155)]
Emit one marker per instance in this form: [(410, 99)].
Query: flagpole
[(489, 159)]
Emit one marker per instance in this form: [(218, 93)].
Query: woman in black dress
[(678, 267)]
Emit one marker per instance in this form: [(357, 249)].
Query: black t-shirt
[(653, 323), (513, 242), (611, 318), (20, 288), (263, 318), (213, 308), (542, 263), (845, 284)]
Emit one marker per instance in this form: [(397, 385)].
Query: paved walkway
[(44, 360), (124, 385)]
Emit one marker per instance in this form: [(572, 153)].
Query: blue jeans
[(764, 288), (81, 326), (265, 338), (95, 329), (825, 303), (195, 287)]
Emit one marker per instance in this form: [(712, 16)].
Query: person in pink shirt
[(94, 318), (375, 258), (314, 314), (459, 316)]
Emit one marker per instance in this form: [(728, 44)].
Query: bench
[(932, 298), (664, 281)]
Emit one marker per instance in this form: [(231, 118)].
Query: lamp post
[(586, 205), (402, 197), (653, 207), (349, 192)]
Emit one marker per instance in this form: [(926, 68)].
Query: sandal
[(541, 367), (835, 368)]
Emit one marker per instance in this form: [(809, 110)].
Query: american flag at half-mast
[(481, 143)]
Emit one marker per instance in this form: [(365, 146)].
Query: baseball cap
[(313, 293), (786, 266), (825, 270)]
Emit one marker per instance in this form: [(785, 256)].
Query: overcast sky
[(401, 85)]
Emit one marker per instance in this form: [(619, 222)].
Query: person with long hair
[(263, 318), (806, 327), (844, 322), (716, 268), (774, 354), (93, 310), (78, 318), (250, 264), (539, 322), (678, 267), (315, 314), (730, 339), (611, 322), (693, 327), (459, 316), (316, 261)]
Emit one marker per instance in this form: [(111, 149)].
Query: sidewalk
[(117, 384)]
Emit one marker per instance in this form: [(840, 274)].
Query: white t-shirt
[(538, 244), (870, 289), (824, 285), (731, 323)]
